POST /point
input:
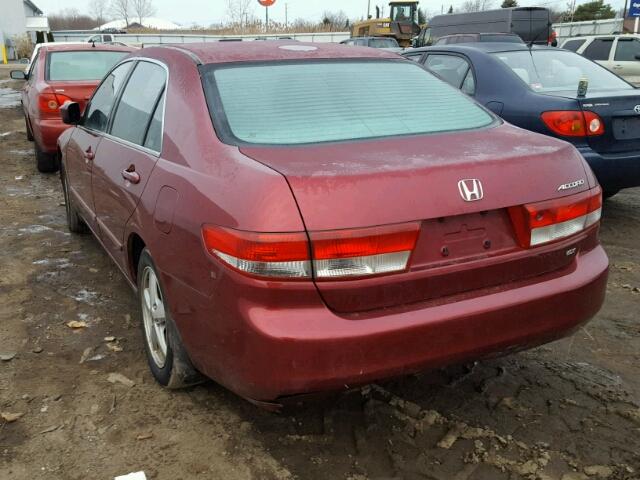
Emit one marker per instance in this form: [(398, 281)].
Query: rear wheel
[(609, 193), (46, 162), (74, 222), (168, 360), (28, 128)]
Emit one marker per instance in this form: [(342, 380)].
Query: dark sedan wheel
[(74, 222), (46, 162), (168, 360)]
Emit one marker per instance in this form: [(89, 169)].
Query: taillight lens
[(544, 222), (51, 102), (332, 254), (262, 254), (365, 251), (573, 123)]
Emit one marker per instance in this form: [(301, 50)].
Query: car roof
[(52, 47), (486, 47), (225, 52)]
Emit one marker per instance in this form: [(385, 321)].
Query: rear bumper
[(46, 132), (614, 171), (308, 348)]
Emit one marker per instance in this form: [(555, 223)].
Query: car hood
[(392, 180)]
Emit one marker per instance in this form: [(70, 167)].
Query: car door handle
[(617, 67), (130, 174), (89, 155)]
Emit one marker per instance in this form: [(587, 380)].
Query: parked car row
[(290, 226)]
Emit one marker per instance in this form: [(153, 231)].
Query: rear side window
[(84, 65), (627, 50), (599, 49), (308, 102), (99, 110), (573, 45), (138, 102), (450, 68)]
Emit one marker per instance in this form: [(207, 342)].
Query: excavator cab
[(402, 23)]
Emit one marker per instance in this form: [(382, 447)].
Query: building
[(17, 19)]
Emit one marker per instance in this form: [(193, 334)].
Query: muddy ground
[(568, 411)]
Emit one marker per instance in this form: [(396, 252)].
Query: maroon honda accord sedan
[(299, 218)]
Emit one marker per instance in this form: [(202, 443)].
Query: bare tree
[(142, 9), (475, 5), (121, 9), (335, 21), (70, 19), (239, 11), (98, 9)]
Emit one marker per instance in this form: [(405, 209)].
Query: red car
[(59, 74), (291, 224)]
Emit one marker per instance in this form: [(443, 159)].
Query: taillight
[(262, 254), (573, 123), (51, 102), (365, 251), (543, 222), (331, 254)]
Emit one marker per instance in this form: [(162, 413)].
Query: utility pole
[(368, 9), (286, 15)]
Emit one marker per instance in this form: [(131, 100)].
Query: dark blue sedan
[(537, 89)]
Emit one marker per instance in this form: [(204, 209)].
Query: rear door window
[(451, 68), (573, 45), (99, 111), (138, 102), (599, 49), (627, 50)]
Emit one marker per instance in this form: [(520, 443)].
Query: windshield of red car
[(80, 65), (549, 71), (310, 102)]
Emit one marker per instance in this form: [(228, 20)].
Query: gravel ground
[(568, 410)]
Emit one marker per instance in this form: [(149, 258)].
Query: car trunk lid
[(621, 120), (462, 245)]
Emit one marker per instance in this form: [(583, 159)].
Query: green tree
[(509, 4), (595, 10), (450, 9), (422, 16)]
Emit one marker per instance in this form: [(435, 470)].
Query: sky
[(206, 12)]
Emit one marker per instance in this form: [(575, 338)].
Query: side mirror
[(18, 75), (70, 113), (637, 56)]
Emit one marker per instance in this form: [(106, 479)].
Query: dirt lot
[(566, 411)]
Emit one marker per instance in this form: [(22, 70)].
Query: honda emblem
[(470, 189)]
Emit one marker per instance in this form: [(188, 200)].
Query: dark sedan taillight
[(544, 222), (573, 123), (330, 255)]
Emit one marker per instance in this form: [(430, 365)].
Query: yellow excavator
[(401, 24)]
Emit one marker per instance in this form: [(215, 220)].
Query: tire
[(28, 129), (46, 162), (609, 193), (74, 222), (168, 360)]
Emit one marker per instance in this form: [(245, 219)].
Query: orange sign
[(266, 3)]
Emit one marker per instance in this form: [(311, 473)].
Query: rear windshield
[(296, 103), (81, 65), (383, 43), (551, 71)]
